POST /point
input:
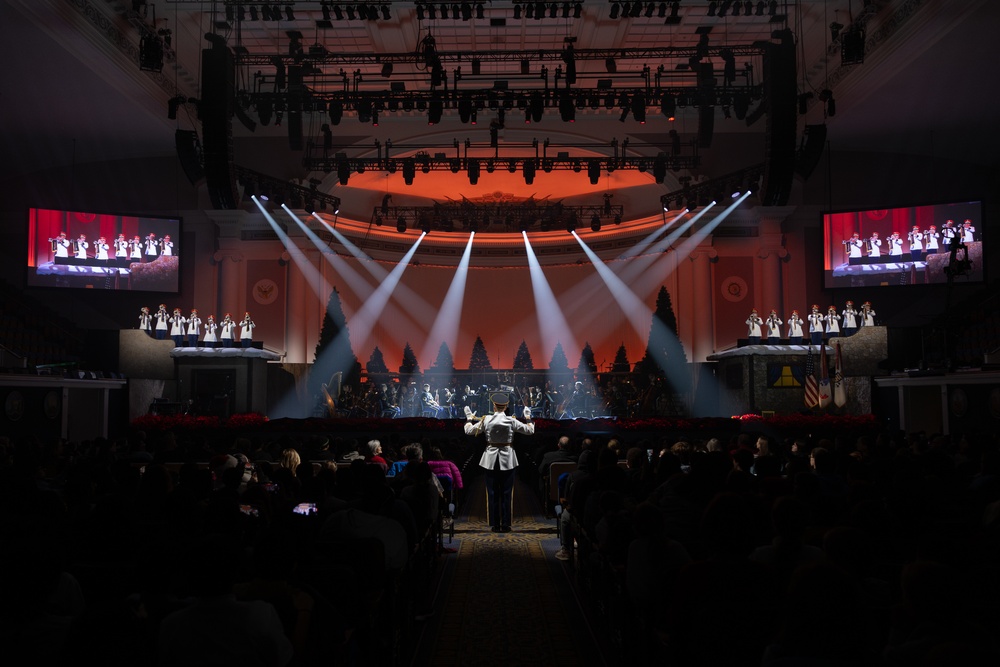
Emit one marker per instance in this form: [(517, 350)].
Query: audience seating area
[(878, 550), (112, 537)]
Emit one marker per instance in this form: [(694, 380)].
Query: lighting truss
[(472, 157), (294, 194), (467, 216), (643, 55), (718, 189)]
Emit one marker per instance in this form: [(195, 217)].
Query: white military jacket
[(500, 429)]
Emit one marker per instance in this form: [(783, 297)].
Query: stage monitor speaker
[(813, 142), (782, 99), (218, 100), (189, 153)]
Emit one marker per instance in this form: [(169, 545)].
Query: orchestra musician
[(754, 323), (177, 323), (136, 246), (948, 233), (226, 330), (152, 247), (850, 319), (874, 248), (428, 404), (832, 322), (81, 247), (795, 328), (968, 232), (166, 246), (246, 331), (815, 326), (931, 237), (773, 328), (161, 318), (193, 328), (146, 321), (916, 239), (853, 246), (121, 247), (101, 249), (60, 246), (867, 314), (211, 340), (896, 247)]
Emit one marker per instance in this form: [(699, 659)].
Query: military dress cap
[(499, 398)]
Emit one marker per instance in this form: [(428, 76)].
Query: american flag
[(839, 388), (812, 388)]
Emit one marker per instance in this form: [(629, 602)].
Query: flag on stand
[(824, 379), (812, 389), (839, 387)]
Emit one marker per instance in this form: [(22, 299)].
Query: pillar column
[(703, 343), (296, 336), (770, 255)]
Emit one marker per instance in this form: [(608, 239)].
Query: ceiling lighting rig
[(475, 158), (296, 195), (721, 189), (499, 217)]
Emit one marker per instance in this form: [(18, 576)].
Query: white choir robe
[(753, 326), (832, 323), (932, 240), (81, 249), (916, 241), (854, 248), (136, 250), (246, 330), (210, 328), (168, 249), (850, 319), (177, 325), (795, 328), (194, 325), (773, 328), (62, 248), (874, 248), (815, 323), (968, 234), (896, 247), (868, 318), (102, 251), (121, 249)]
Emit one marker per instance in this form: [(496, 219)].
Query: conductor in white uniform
[(499, 458)]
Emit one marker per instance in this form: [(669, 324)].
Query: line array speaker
[(218, 100), (781, 96)]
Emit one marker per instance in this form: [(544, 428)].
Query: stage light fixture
[(386, 15), (529, 171), (425, 224), (595, 223), (351, 15), (517, 11), (434, 111), (289, 13), (566, 109), (401, 225), (712, 8), (636, 10), (614, 10), (577, 10), (650, 8), (594, 171), (639, 108), (444, 11)]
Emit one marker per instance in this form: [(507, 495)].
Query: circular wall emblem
[(878, 214), (14, 406), (265, 292), (959, 402), (734, 289), (51, 404)]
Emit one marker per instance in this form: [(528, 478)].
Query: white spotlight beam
[(551, 321), (411, 301), (361, 287), (446, 324), (636, 311), (313, 277)]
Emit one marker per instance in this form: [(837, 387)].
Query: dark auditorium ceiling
[(75, 92)]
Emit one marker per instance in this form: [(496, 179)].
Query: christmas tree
[(621, 364), (558, 364), (479, 361), (665, 356), (409, 369), (522, 360), (333, 351), (587, 366), (378, 372), (444, 366)]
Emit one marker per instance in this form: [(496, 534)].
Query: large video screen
[(912, 245), (78, 249)]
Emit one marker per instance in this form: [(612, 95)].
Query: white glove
[(527, 412), (468, 413)]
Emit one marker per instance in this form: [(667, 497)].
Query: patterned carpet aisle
[(505, 599)]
